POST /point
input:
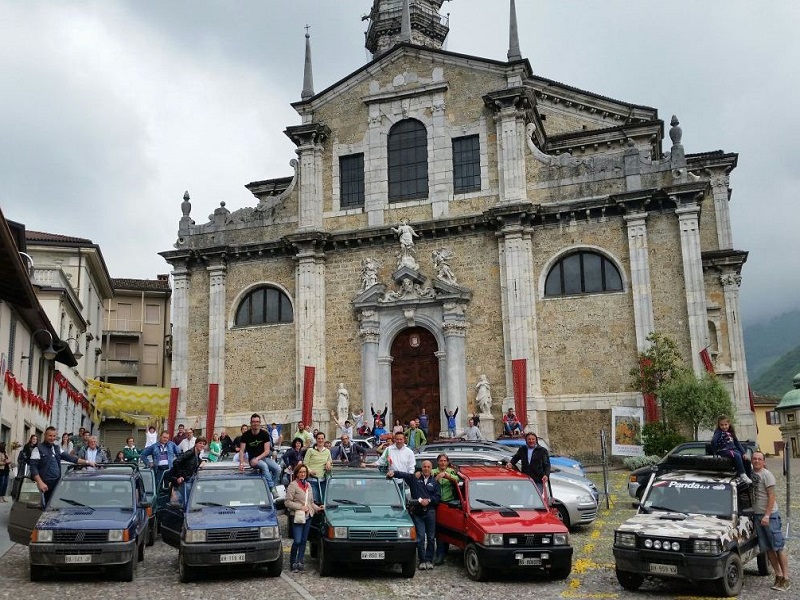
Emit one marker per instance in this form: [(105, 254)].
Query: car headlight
[(117, 535), (404, 533), (195, 536), (44, 536), (493, 539), (648, 543), (338, 532), (269, 533), (587, 499), (560, 539), (707, 547), (625, 540)]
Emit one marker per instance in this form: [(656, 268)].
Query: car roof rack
[(699, 462), (121, 468)]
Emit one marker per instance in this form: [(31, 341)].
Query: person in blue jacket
[(160, 455), (426, 494), (725, 443), (451, 421), (45, 464)]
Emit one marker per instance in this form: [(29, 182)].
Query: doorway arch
[(415, 377)]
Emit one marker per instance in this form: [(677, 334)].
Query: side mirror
[(453, 503)]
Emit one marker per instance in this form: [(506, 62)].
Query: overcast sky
[(109, 110)]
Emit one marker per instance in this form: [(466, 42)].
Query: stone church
[(449, 217)]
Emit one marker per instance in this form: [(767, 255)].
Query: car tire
[(140, 552), (629, 581), (563, 515), (640, 492), (126, 571), (408, 568), (730, 584), (763, 564), (472, 562), (151, 533), (325, 566), (185, 572), (275, 568)]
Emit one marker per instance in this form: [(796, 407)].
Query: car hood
[(223, 517), (85, 518), (678, 525), (528, 521), (381, 516), (566, 490)]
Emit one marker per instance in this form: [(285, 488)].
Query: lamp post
[(789, 410), (50, 352), (77, 354)]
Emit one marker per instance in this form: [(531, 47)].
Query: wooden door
[(415, 378)]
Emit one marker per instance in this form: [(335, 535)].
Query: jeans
[(318, 488), (737, 460), (271, 470), (299, 537), (426, 530), (3, 484)]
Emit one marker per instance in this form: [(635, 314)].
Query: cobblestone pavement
[(592, 575)]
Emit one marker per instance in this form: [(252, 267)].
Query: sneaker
[(438, 561), (301, 567), (430, 566), (274, 492), (746, 479), (294, 568)]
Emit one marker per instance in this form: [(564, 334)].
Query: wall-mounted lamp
[(77, 354), (49, 352)]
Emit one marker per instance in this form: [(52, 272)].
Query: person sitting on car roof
[(511, 425), (348, 453)]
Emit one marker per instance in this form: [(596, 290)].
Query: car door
[(451, 519), (170, 513), (24, 512)]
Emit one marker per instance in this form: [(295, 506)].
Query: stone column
[(180, 334), (719, 188), (376, 176), (455, 332), (310, 316), (217, 272), (384, 387), (688, 220), (309, 139), (745, 420), (640, 278), (370, 339), (443, 396)]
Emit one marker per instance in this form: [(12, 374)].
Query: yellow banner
[(140, 405)]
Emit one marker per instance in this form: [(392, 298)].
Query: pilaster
[(721, 193), (217, 272), (370, 335), (640, 278), (310, 139), (181, 279)]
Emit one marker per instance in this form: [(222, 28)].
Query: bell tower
[(395, 21)]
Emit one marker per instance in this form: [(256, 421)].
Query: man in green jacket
[(414, 436)]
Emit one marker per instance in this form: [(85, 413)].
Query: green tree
[(695, 402), (658, 365)]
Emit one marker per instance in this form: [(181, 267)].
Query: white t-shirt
[(187, 443), (398, 459), (150, 438)]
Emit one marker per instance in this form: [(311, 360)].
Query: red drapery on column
[(706, 358), (650, 408), (308, 393), (173, 410), (519, 370), (211, 417)]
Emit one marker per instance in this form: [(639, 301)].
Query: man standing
[(189, 441), (768, 522), (45, 463), (535, 461), (473, 433), (415, 437), (381, 416), (398, 456), (345, 426), (423, 421), (92, 453), (425, 494), (180, 436), (256, 445), (161, 455)]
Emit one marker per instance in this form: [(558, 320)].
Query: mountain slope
[(767, 342), (777, 379)]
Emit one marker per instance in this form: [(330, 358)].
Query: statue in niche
[(342, 403), (440, 263), (483, 397), (369, 273), (406, 234)]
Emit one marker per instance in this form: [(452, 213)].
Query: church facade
[(450, 217)]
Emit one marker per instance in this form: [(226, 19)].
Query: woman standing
[(5, 470), (398, 427), (291, 458), (24, 456), (300, 501), (214, 448)]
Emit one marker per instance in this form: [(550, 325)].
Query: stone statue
[(369, 273), (343, 403), (483, 397), (443, 270), (408, 290), (406, 234)]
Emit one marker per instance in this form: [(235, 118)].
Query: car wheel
[(151, 533), (763, 564), (730, 584), (408, 568), (640, 492), (563, 515), (629, 581), (140, 553), (185, 572), (126, 571), (275, 568), (472, 562), (325, 566)]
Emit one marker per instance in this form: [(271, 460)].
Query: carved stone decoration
[(731, 279), (675, 132), (408, 291), (186, 206), (406, 235), (342, 403), (440, 259), (369, 273), (221, 216), (483, 396), (270, 203), (370, 335)]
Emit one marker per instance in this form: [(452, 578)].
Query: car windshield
[(519, 494), (691, 497), (366, 491), (242, 491), (94, 493)]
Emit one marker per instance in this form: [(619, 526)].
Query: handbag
[(300, 515)]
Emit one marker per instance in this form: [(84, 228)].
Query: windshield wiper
[(213, 504), (347, 502), (496, 505), (663, 509), (73, 502)]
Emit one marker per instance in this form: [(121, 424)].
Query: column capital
[(689, 210), (455, 328), (308, 135), (370, 335), (731, 280), (635, 219), (511, 101)]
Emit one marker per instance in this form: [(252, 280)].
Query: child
[(725, 443), (451, 421)]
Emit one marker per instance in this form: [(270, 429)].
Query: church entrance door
[(415, 378)]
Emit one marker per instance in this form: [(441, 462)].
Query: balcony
[(123, 327), (128, 367)]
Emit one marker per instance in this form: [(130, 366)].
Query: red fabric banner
[(706, 358), (650, 408), (519, 371), (173, 411), (211, 417), (308, 393)]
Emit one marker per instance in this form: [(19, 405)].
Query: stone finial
[(186, 206), (308, 76), (675, 132), (513, 35), (405, 25)]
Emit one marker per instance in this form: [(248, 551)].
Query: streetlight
[(49, 352), (77, 354)]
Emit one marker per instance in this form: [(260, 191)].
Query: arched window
[(582, 273), (408, 160), (262, 306)]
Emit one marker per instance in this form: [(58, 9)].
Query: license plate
[(232, 558), (664, 569), (527, 562), (77, 559), (376, 555)]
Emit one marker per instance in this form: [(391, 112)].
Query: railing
[(123, 324), (127, 367)]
